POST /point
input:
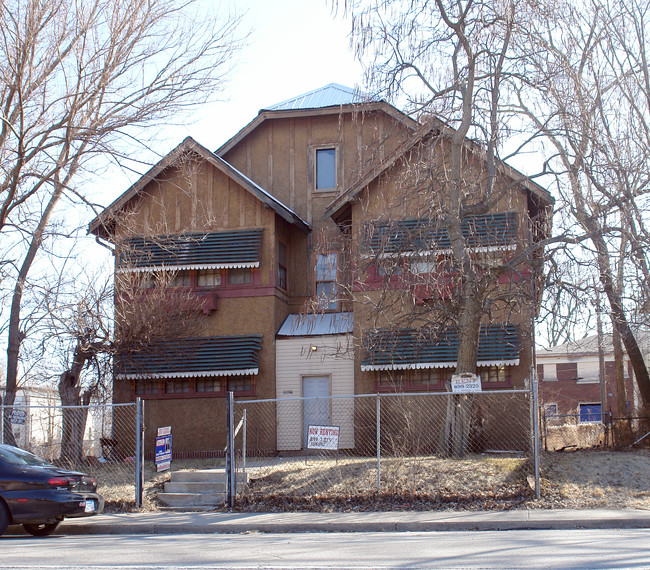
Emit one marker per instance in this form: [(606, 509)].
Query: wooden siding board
[(293, 362)]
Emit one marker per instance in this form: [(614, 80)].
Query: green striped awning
[(424, 234), (218, 250), (197, 357), (403, 349)]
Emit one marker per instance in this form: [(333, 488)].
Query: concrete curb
[(430, 521)]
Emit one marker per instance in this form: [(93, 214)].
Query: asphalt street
[(624, 548)]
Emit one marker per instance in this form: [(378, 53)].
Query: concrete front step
[(199, 487), (192, 499), (204, 475), (196, 489)]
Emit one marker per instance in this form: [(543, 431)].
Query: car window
[(21, 457)]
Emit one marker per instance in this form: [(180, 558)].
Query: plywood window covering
[(326, 275), (540, 372), (325, 168), (566, 371)]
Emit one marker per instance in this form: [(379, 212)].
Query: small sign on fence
[(323, 437), (18, 416), (163, 456), (465, 383)]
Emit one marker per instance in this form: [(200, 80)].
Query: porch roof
[(197, 357), (316, 325), (424, 348)]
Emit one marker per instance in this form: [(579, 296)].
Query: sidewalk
[(223, 523)]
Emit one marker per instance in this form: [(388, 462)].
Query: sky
[(294, 46)]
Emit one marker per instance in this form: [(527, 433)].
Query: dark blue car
[(39, 495)]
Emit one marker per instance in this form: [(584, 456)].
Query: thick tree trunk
[(75, 410)]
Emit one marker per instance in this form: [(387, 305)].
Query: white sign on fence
[(465, 383), (323, 437)]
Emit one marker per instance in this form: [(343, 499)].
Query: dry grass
[(579, 480)]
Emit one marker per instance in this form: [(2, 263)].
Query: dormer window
[(325, 168)]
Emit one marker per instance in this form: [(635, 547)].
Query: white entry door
[(315, 412)]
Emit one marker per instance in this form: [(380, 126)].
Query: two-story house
[(304, 207)]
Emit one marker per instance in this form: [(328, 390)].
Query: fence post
[(139, 451), (378, 444), (230, 448), (244, 447), (535, 426)]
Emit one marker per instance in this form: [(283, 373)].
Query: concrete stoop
[(202, 489)]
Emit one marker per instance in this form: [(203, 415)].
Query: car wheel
[(42, 529), (4, 517)]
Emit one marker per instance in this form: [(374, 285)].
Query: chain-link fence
[(591, 429), (426, 448), (98, 439)]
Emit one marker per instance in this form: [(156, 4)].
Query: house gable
[(174, 167)]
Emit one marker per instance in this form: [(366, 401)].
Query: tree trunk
[(75, 410), (15, 336)]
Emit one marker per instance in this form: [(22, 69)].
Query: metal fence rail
[(97, 439), (428, 446)]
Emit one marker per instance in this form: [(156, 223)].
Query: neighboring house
[(242, 230), (569, 380), (36, 422)]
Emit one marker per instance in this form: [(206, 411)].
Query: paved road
[(626, 548)]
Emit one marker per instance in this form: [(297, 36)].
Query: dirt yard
[(578, 480)]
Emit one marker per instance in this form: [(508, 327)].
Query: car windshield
[(21, 457)]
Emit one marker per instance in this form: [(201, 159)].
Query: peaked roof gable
[(433, 127), (103, 220), (331, 99)]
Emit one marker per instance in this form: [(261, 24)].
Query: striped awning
[(486, 231), (406, 349), (200, 357), (217, 250)]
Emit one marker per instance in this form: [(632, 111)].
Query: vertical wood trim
[(311, 182), (340, 160), (292, 164), (177, 206), (210, 201), (194, 183), (269, 157), (249, 159)]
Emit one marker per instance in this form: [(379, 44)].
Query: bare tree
[(450, 63), (587, 90), (89, 79)]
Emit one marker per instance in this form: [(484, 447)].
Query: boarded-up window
[(566, 371), (540, 372)]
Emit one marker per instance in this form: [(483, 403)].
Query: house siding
[(295, 360)]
